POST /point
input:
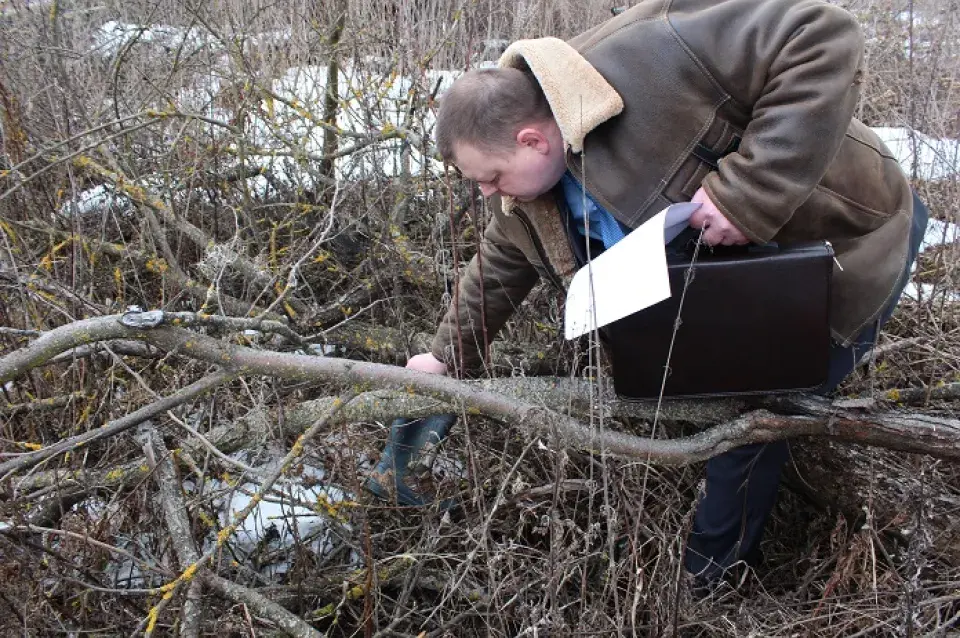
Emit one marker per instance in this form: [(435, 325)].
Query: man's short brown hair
[(487, 107)]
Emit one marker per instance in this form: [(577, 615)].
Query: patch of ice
[(124, 573), (929, 291), (938, 233), (322, 349), (110, 37)]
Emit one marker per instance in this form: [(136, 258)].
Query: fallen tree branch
[(935, 436), (811, 417), (947, 392), (178, 524), (13, 409), (887, 348), (188, 319), (262, 606), (14, 332), (127, 348), (393, 345), (37, 484), (574, 395)]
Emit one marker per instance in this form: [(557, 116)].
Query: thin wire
[(687, 278), (597, 421)]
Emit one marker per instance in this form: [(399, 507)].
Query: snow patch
[(939, 233), (936, 159), (112, 36), (292, 511), (94, 201)]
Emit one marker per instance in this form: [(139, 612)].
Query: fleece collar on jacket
[(581, 99)]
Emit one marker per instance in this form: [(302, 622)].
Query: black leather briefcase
[(754, 320)]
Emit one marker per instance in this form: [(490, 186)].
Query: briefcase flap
[(754, 321)]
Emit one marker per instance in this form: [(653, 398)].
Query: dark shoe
[(720, 585), (411, 445)]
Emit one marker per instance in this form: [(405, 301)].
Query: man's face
[(529, 169)]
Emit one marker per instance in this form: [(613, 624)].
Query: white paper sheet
[(626, 278)]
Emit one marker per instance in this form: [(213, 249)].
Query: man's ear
[(534, 138)]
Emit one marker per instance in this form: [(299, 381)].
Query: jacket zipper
[(541, 253)]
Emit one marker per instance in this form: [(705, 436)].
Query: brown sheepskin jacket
[(769, 86)]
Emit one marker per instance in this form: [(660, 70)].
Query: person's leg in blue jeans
[(742, 484)]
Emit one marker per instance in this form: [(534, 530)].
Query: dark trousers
[(742, 484)]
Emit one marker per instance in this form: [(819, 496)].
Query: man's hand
[(719, 230), (426, 362)]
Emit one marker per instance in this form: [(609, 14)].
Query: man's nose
[(487, 189)]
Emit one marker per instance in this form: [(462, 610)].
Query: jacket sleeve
[(507, 278), (795, 67)]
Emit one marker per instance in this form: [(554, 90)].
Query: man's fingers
[(426, 362), (698, 218), (713, 235)]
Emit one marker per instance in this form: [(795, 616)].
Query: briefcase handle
[(684, 245)]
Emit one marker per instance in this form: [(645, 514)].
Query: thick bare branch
[(178, 523), (947, 392), (61, 339), (40, 405), (939, 437), (288, 622), (126, 348)]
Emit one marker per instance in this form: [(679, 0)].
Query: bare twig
[(126, 422)]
